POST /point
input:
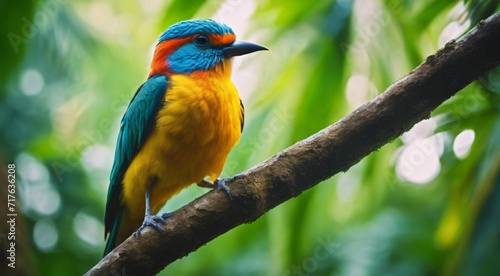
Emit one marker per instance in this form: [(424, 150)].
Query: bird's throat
[(220, 71)]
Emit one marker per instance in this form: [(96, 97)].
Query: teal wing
[(135, 126)]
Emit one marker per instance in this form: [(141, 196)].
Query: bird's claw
[(153, 221), (220, 184)]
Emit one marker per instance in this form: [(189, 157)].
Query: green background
[(427, 203)]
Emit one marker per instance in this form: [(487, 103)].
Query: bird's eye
[(201, 41)]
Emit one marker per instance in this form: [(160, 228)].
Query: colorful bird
[(179, 127)]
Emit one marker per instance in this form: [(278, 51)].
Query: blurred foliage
[(427, 203), (15, 27)]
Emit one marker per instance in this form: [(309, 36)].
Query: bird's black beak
[(239, 48)]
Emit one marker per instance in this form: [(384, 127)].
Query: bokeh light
[(463, 143), (45, 235), (88, 228), (31, 82)]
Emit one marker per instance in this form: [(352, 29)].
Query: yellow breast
[(194, 132)]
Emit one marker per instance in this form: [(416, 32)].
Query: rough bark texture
[(305, 164)]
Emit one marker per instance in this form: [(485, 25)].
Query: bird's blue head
[(195, 45)]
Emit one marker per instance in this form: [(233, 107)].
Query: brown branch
[(305, 164)]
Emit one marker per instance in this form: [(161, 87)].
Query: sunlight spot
[(452, 31), (87, 228), (235, 13), (46, 200), (421, 130), (419, 162), (31, 82), (152, 6), (347, 187), (45, 235), (100, 11), (102, 16), (463, 143), (359, 90), (37, 193), (363, 11), (31, 169), (97, 157), (457, 27)]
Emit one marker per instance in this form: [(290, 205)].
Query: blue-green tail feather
[(111, 243)]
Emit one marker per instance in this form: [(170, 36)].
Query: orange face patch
[(165, 48), (225, 39), (162, 51)]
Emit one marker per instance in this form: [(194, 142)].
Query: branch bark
[(308, 162)]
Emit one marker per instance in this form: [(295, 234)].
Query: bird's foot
[(220, 184), (153, 221)]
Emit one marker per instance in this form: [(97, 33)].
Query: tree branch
[(305, 164)]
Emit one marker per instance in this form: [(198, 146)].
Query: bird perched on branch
[(179, 127)]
